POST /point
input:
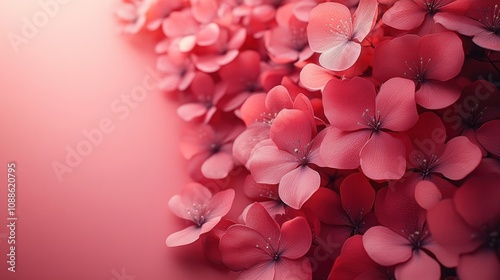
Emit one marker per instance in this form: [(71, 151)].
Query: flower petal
[(190, 234), (364, 18), (292, 269), (220, 204), (292, 131), (386, 247), (217, 166), (296, 238), (357, 196), (243, 248), (427, 194), (489, 136), (341, 149), (268, 164), (383, 157), (420, 266), (443, 52), (482, 264), (404, 15), (345, 102), (341, 56), (396, 104), (437, 95), (298, 185), (324, 20), (460, 157)]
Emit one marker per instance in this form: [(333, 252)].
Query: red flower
[(262, 249)]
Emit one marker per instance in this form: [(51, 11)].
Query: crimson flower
[(482, 22), (469, 224), (431, 61), (261, 249), (362, 125)]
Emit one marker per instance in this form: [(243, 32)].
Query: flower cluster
[(347, 139)]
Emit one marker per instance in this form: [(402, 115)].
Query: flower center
[(342, 29), (425, 165), (433, 6), (302, 153), (490, 18), (416, 70), (197, 213), (494, 239), (474, 117), (418, 239), (372, 121), (214, 148)]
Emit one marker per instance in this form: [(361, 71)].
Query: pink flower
[(337, 34), (431, 61), (287, 156), (287, 42), (197, 205), (262, 249), (209, 149), (405, 241), (469, 224), (207, 94), (482, 22), (178, 71), (413, 14), (362, 125), (430, 154), (134, 14)]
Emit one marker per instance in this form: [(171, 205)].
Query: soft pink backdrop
[(111, 211)]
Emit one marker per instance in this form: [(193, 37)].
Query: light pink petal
[(243, 248), (291, 130), (186, 44), (420, 266), (483, 264), (298, 185), (437, 95), (245, 143), (169, 83), (357, 195), (220, 204), (190, 111), (488, 40), (204, 10), (264, 271), (427, 194), (462, 24), (396, 104), (258, 218), (208, 35), (450, 230), (405, 15), (489, 136), (364, 18), (287, 269), (190, 234), (383, 157), (345, 102), (341, 56), (460, 157), (268, 164), (192, 193), (443, 54), (278, 98), (315, 77), (341, 149), (386, 247), (296, 238), (217, 166), (322, 27)]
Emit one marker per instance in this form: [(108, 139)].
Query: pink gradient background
[(111, 212)]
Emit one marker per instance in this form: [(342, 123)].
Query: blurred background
[(95, 147)]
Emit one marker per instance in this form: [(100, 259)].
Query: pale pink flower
[(337, 34), (196, 204)]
